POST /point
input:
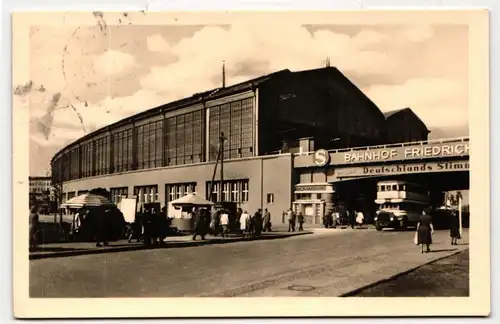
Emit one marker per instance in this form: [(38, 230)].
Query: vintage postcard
[(247, 160)]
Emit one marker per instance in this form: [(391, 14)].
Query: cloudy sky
[(86, 77)]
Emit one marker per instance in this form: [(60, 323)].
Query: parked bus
[(400, 204)]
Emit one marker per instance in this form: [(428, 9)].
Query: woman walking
[(425, 231), (454, 228)]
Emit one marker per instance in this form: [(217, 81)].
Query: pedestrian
[(454, 227), (291, 220), (148, 226), (335, 218), (200, 223), (267, 221), (34, 222), (163, 225), (101, 218), (425, 231), (300, 219), (257, 220), (250, 225), (244, 217), (352, 218), (214, 221), (224, 221), (360, 218), (155, 226)]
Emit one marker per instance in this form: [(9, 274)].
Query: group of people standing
[(221, 221), (254, 225), (150, 227), (293, 219), (101, 224), (344, 217)]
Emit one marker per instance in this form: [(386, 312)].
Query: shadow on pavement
[(65, 252), (443, 250)]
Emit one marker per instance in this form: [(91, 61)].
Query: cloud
[(416, 33), (438, 102), (290, 46), (156, 43), (113, 62), (367, 38)]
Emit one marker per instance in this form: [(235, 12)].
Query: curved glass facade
[(173, 140)]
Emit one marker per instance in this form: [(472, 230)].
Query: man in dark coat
[(163, 225), (101, 218), (454, 227), (300, 219), (147, 220), (34, 224), (258, 222), (155, 226), (200, 223), (352, 218)]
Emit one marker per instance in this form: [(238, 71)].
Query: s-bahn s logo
[(321, 158)]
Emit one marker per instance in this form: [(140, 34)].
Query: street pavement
[(445, 277), (327, 263)]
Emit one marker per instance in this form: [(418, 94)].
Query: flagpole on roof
[(223, 74)]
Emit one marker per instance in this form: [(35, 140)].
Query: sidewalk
[(444, 277), (55, 250)]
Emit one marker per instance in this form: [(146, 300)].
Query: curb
[(352, 293), (167, 245)]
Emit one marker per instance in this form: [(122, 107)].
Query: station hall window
[(101, 155), (174, 191), (232, 191), (235, 120), (122, 151), (184, 138), (150, 145), (146, 194), (117, 194)]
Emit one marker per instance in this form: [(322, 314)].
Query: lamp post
[(222, 138)]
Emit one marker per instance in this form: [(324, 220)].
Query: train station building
[(273, 127)]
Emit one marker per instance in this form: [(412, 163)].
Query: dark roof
[(406, 110), (195, 98), (217, 93), (393, 112)]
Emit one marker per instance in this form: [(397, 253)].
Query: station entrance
[(315, 200)]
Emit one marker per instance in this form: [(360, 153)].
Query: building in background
[(41, 190), (166, 152), (39, 185)]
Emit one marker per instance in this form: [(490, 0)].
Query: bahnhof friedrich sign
[(413, 152)]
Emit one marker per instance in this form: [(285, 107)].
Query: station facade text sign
[(400, 168), (407, 153)]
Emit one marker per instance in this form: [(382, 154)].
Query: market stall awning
[(192, 199), (88, 199)]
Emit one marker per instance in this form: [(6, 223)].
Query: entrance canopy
[(192, 199)]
